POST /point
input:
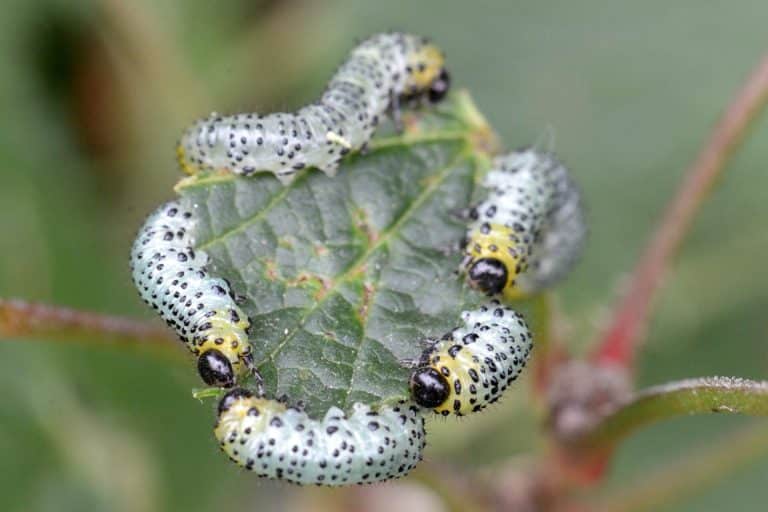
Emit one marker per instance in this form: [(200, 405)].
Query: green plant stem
[(34, 321), (619, 343), (693, 396)]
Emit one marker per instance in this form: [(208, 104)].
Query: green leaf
[(343, 277)]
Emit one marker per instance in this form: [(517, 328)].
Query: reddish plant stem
[(545, 346), (619, 343), (28, 320)]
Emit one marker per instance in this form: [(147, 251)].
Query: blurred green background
[(93, 95)]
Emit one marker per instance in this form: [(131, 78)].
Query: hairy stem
[(618, 345), (692, 396), (28, 320)]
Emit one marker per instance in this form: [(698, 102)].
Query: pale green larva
[(278, 442), (173, 279), (260, 434), (472, 366), (530, 229), (381, 72)]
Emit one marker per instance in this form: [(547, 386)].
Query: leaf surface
[(344, 278)]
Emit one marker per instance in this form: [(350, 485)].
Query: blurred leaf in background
[(95, 93)]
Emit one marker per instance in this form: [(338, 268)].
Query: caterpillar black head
[(429, 388), (231, 397), (215, 369), (472, 365), (439, 87), (222, 342), (489, 275), (426, 76)]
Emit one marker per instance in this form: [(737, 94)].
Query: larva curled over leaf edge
[(380, 73), (275, 441), (173, 279)]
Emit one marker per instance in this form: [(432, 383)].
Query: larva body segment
[(529, 231), (471, 366), (172, 278), (379, 73), (366, 446)]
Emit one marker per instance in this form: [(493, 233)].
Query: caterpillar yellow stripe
[(529, 230), (173, 279), (472, 366)]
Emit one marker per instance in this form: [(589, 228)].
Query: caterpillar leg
[(464, 214), (330, 169), (453, 248), (286, 178), (410, 363), (257, 378)]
